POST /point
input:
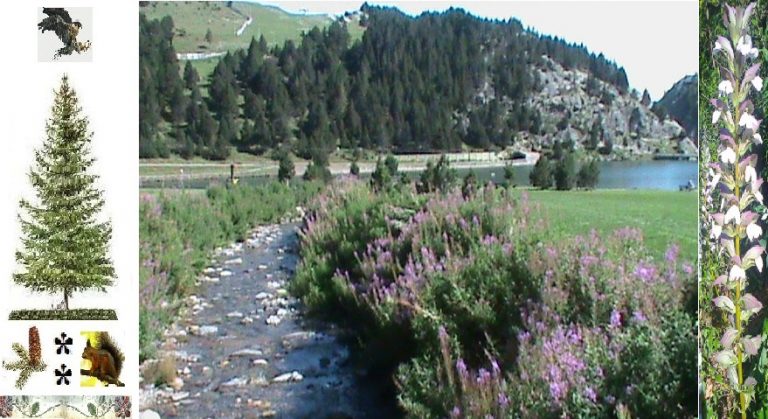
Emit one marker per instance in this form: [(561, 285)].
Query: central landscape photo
[(429, 210)]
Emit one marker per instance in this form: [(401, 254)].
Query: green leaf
[(92, 409), (35, 408)]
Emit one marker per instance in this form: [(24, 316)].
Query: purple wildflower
[(615, 318), (461, 367)]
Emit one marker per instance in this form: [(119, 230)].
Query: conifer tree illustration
[(64, 246)]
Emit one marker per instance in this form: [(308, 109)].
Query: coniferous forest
[(409, 85)]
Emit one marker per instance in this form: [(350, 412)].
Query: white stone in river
[(248, 352), (235, 314), (288, 376), (273, 320), (263, 295), (282, 312), (236, 261), (179, 396), (260, 362), (262, 267), (208, 330), (225, 274), (236, 382)]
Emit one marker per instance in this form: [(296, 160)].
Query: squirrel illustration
[(106, 361)]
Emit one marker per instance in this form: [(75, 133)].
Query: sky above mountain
[(655, 41)]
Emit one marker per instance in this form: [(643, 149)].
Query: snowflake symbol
[(63, 373), (63, 344)]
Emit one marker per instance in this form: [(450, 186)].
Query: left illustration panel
[(68, 280)]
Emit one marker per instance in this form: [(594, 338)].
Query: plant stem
[(737, 247)]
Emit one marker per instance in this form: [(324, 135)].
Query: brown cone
[(34, 346)]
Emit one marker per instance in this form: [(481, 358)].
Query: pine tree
[(64, 247)]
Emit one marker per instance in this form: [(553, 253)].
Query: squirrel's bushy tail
[(106, 343)]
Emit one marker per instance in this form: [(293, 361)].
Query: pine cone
[(34, 346)]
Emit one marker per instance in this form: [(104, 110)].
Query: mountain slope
[(192, 19), (681, 104), (446, 81)]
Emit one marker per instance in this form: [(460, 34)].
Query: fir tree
[(64, 247), (286, 171)]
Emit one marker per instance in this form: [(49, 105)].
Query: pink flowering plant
[(734, 193), (476, 311)]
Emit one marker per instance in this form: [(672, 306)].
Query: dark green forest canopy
[(429, 83)]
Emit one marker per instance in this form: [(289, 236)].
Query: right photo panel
[(733, 361)]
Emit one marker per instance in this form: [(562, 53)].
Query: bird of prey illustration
[(58, 20)]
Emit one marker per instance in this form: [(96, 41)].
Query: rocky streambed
[(243, 348)]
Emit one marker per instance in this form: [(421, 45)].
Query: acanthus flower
[(736, 184)]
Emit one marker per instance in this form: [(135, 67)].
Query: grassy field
[(193, 19), (664, 216)]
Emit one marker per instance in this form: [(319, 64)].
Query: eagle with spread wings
[(58, 20)]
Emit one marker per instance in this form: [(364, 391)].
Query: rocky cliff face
[(575, 107), (681, 104)]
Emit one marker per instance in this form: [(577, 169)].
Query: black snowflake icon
[(63, 344), (63, 373)]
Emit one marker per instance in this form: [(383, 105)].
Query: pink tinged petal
[(753, 252), (748, 217), (751, 303), (732, 214), (720, 280), (750, 382), (749, 122), (757, 83), (719, 218), (751, 344), (725, 358), (750, 74), (724, 303), (724, 44), (757, 138), (728, 337)]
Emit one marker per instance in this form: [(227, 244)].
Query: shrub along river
[(644, 174)]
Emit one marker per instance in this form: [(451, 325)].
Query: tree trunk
[(66, 299)]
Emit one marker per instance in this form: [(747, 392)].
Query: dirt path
[(246, 351)]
